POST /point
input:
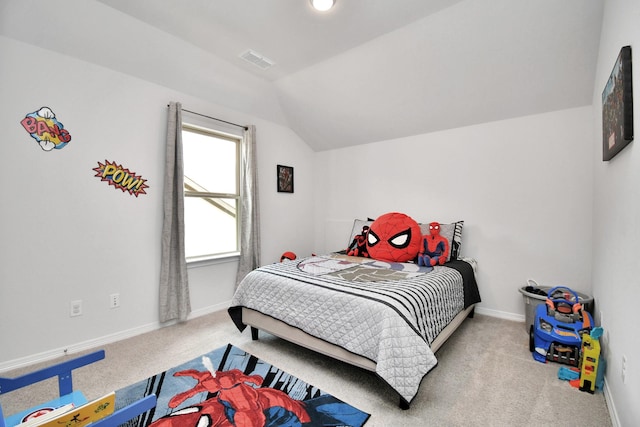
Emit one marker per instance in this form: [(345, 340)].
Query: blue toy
[(556, 333), (568, 374)]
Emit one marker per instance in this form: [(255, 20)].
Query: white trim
[(212, 260), (500, 314), (613, 413), (210, 309)]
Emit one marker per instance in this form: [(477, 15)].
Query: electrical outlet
[(76, 308), (624, 369), (114, 300)]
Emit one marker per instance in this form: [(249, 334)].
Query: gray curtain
[(249, 212), (174, 286)]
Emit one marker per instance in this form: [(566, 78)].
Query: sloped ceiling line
[(370, 70)]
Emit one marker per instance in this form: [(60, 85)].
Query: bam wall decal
[(121, 178), (43, 126)]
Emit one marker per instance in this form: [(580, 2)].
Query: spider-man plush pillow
[(394, 237)]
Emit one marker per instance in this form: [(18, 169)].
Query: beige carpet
[(485, 376)]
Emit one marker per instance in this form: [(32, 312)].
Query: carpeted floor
[(485, 376)]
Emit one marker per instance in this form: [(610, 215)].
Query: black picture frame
[(284, 175), (617, 107)]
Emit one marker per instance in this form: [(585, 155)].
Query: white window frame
[(191, 190)]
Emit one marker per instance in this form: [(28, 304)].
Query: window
[(211, 192)]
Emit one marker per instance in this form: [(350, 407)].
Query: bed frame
[(258, 321)]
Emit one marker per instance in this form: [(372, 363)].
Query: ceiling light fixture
[(322, 5)]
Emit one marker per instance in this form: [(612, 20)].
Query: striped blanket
[(390, 319)]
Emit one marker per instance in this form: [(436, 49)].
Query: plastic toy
[(556, 333), (590, 360), (568, 374)]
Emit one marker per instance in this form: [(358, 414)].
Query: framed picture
[(617, 107), (285, 179)]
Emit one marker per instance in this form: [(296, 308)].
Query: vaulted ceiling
[(372, 70)]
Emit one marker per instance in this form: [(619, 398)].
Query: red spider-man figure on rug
[(236, 403), (435, 247)]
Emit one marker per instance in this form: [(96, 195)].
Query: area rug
[(230, 387)]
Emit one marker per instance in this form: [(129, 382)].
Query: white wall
[(527, 188), (522, 186), (616, 283), (68, 236)]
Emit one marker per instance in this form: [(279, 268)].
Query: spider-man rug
[(230, 387)]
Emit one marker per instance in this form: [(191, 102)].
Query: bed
[(386, 317)]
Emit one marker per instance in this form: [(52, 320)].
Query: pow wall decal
[(121, 178), (43, 126)]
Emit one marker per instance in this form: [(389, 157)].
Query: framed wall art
[(285, 179), (617, 107)]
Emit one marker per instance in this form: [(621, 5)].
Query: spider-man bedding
[(389, 313)]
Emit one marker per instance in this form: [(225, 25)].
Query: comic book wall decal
[(43, 126), (121, 178)]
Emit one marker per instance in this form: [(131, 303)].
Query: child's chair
[(63, 371)]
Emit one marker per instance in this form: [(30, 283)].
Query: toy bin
[(532, 300)]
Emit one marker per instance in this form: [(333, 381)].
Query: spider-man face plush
[(394, 237)]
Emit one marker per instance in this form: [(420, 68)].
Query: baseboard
[(500, 314), (613, 413), (101, 341), (208, 310)]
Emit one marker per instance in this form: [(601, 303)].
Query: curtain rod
[(213, 118)]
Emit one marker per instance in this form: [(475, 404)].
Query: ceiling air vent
[(257, 59)]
